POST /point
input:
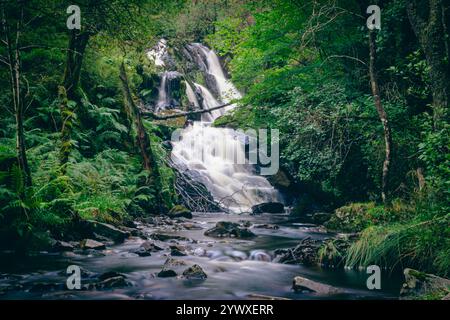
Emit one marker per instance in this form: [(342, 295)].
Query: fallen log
[(154, 116)]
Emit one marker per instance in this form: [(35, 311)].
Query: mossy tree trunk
[(69, 92), (382, 115), (142, 141), (428, 20)]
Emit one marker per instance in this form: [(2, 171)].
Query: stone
[(180, 211), (167, 273), (423, 286), (61, 246), (165, 237), (106, 230), (268, 207), (114, 282), (280, 180), (195, 272), (301, 284), (266, 226), (177, 253), (229, 229), (146, 249), (91, 244)]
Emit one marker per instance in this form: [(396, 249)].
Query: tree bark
[(69, 91), (382, 115), (142, 140), (14, 62), (427, 19), (77, 46)]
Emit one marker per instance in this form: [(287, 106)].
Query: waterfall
[(216, 156), (162, 97)]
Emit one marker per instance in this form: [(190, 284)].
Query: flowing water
[(236, 269), (217, 155)]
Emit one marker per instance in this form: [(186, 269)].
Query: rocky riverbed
[(211, 256)]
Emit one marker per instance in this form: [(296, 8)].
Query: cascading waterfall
[(211, 154), (162, 98)]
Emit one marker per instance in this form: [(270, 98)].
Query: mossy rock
[(351, 218)]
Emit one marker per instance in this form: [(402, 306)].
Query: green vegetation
[(72, 143)]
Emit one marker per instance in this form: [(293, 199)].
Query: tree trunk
[(77, 46), (14, 61), (69, 91), (427, 19), (382, 115), (142, 140)]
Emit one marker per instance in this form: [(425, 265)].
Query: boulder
[(106, 230), (280, 180), (229, 229), (165, 237), (195, 272), (423, 286), (180, 211), (147, 248), (91, 244), (171, 268), (301, 284), (268, 207), (167, 273)]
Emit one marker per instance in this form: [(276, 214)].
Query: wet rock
[(266, 226), (229, 229), (171, 268), (306, 253), (147, 248), (165, 237), (191, 226), (177, 253), (268, 207), (91, 244), (167, 273), (301, 284), (195, 272), (180, 211), (61, 246), (280, 180), (423, 286), (104, 230), (110, 274)]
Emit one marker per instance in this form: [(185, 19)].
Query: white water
[(162, 98), (216, 155), (157, 53)]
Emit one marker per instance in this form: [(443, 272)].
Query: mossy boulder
[(351, 218), (422, 286)]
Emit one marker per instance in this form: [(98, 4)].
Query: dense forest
[(362, 114)]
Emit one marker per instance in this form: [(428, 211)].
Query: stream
[(235, 268)]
